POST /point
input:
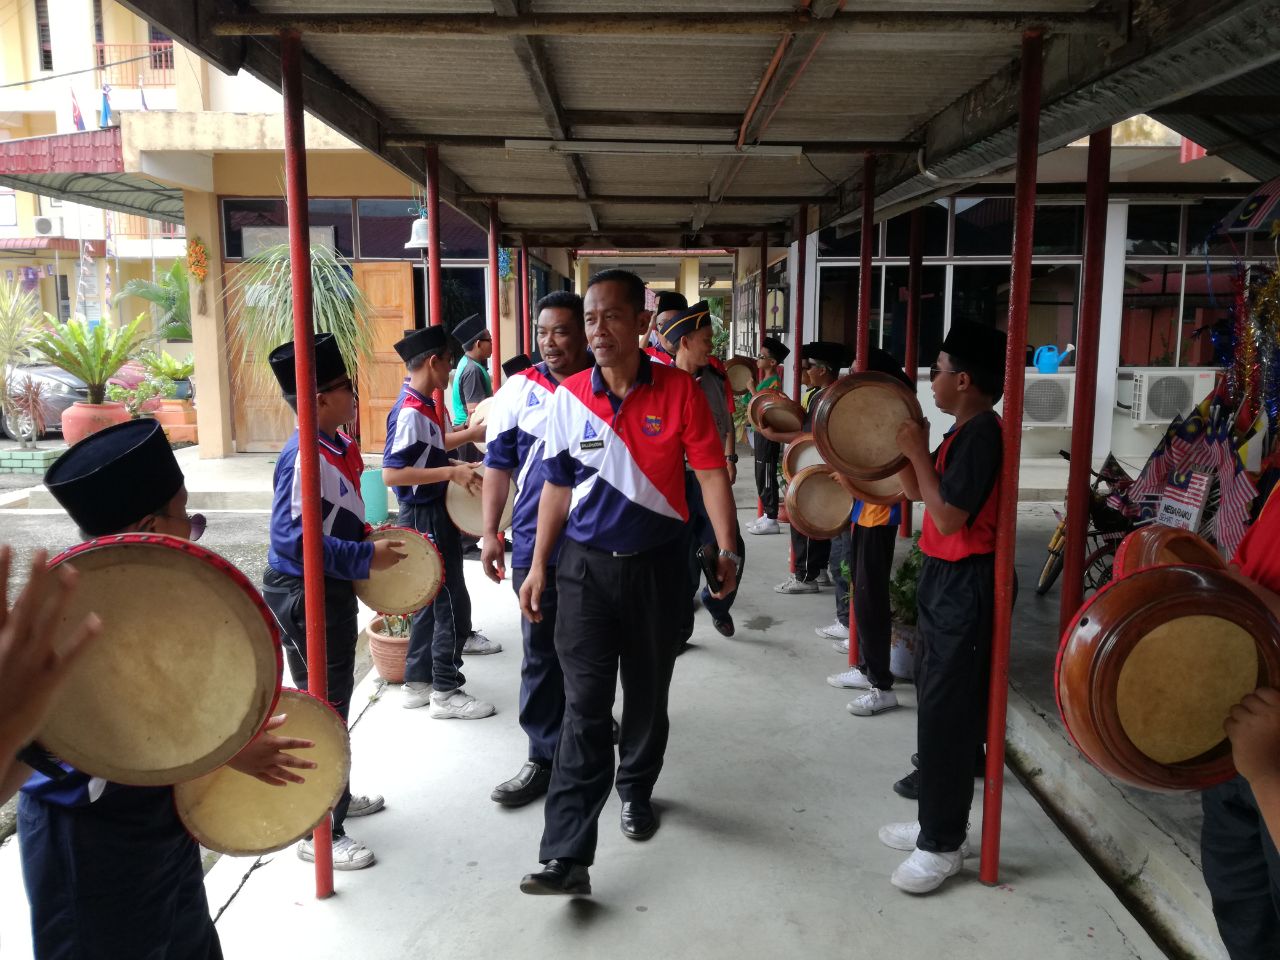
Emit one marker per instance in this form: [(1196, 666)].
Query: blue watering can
[(1047, 359)]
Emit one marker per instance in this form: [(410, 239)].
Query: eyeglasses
[(936, 371), (199, 523)]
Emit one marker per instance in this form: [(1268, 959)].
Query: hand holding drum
[(411, 576), (861, 421)]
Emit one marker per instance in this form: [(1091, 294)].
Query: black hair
[(562, 300), (418, 361), (990, 383), (633, 285)]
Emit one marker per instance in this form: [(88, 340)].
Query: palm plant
[(92, 354), (262, 303), (172, 295), (19, 327)]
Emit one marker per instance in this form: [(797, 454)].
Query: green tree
[(171, 295)]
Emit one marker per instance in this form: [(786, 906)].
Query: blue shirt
[(515, 436), (346, 553), (415, 439)]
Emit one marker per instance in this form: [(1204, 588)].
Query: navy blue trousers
[(119, 877), (541, 680), (440, 629), (1241, 870)]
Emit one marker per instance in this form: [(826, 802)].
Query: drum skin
[(479, 416), (884, 492), (817, 505), (184, 674), (237, 814), (412, 583), (799, 453), (1157, 545), (467, 512), (1160, 657), (741, 374), (775, 410), (856, 420)]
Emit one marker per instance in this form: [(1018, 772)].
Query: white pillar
[(1109, 329)]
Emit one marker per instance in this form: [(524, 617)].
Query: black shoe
[(526, 786), (639, 822), (724, 627), (915, 760), (909, 786), (562, 878)]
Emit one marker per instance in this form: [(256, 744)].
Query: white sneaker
[(416, 694), (478, 645), (459, 705), (924, 872), (763, 526), (834, 631), (872, 702), (904, 836), (841, 646), (792, 585), (823, 578), (362, 806), (852, 679), (348, 854)]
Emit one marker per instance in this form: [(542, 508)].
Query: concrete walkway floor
[(771, 798)]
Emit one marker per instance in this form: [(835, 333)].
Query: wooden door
[(260, 418), (389, 289)]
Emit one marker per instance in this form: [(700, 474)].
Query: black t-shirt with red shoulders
[(968, 465)]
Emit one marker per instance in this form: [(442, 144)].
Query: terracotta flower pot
[(388, 652), (176, 412), (82, 419)]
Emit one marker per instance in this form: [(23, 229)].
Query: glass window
[(933, 293), (1153, 229), (44, 41), (1059, 230), (252, 225), (838, 304), (1152, 292), (462, 293), (981, 295), (1203, 235), (898, 232), (984, 226), (384, 229), (1206, 302), (838, 242), (777, 315)]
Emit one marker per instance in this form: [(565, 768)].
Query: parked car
[(61, 389)]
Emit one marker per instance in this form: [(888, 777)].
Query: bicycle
[(1107, 527)]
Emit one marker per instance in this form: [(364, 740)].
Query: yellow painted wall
[(357, 174), (17, 40)]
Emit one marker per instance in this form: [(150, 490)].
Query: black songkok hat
[(329, 366), (420, 341), (882, 361), (829, 353), (470, 330), (671, 300), (684, 323), (113, 478), (777, 349), (516, 364), (979, 347)]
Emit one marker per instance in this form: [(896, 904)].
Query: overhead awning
[(54, 244), (86, 167)]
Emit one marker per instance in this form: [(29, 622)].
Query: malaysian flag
[(1256, 211), (76, 119), (1188, 488), (1151, 479), (1237, 493)]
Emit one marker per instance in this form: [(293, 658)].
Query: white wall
[(241, 94)]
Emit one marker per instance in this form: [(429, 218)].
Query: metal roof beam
[(1215, 105), (1102, 21), (652, 118), (717, 148), (640, 199)]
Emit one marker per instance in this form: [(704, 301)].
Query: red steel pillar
[(295, 168), (1086, 360), (911, 360), (495, 311), (764, 307), (802, 254), (435, 288), (1015, 371), (862, 335)]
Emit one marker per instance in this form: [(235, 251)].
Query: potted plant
[(137, 397), (25, 417), (93, 354), (162, 366), (19, 328), (171, 295), (902, 604), (388, 644)]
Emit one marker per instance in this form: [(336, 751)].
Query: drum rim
[(785, 402), (1099, 735), (740, 361), (289, 693), (758, 397), (810, 531), (510, 517), (378, 534), (1137, 548), (832, 395), (159, 778), (876, 499), (798, 444)]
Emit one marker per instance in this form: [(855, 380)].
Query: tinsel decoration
[(1266, 352), (1246, 355)]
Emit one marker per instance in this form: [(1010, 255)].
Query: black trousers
[(956, 602), (767, 454), (440, 629), (700, 533), (871, 567), (1241, 870), (285, 596), (812, 556), (617, 614), (120, 877), (541, 680)]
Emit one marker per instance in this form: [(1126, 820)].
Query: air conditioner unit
[(48, 226), (1161, 394), (1048, 399)]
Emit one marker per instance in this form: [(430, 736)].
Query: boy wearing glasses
[(960, 488), (767, 452), (348, 556)]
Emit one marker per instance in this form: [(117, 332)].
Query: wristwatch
[(737, 560), (731, 457)]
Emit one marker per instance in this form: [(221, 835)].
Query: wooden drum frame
[(412, 583), (1156, 659), (883, 493), (741, 373), (1157, 545), (831, 516), (800, 453), (855, 424), (775, 410)]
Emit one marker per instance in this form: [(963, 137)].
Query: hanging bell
[(418, 235)]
